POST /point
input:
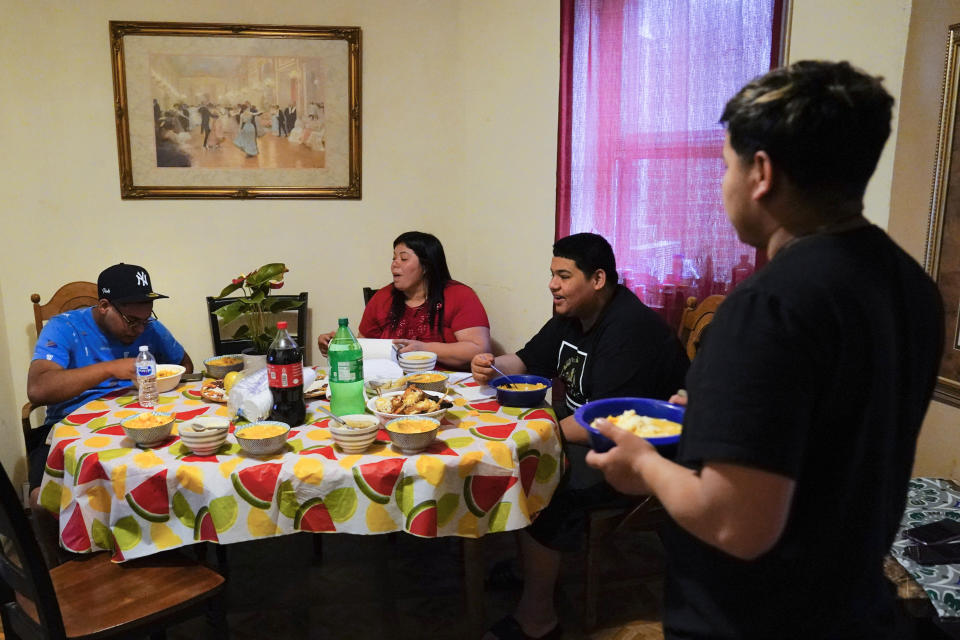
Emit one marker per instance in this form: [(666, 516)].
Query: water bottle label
[(284, 376), (349, 371), (146, 370)]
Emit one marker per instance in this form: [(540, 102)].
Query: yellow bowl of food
[(149, 427), (262, 438), (428, 380), (168, 377), (220, 366), (417, 361), (412, 434)]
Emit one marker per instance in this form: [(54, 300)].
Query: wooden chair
[(367, 294), (73, 295), (695, 319), (93, 597), (224, 344)]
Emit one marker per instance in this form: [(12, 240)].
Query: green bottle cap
[(342, 322)]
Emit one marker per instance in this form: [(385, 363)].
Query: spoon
[(332, 416), (196, 425), (509, 384)]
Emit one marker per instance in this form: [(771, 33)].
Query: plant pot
[(253, 361)]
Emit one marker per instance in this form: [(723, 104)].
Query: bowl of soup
[(149, 427), (204, 435), (220, 366), (412, 434), (168, 377), (657, 421), (262, 438), (428, 380), (521, 390), (360, 432)]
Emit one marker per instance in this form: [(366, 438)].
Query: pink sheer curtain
[(643, 83)]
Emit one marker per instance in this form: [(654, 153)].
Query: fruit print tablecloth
[(930, 499), (489, 470)]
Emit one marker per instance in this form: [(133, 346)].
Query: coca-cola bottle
[(285, 377)]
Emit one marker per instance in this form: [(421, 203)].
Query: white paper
[(377, 348)]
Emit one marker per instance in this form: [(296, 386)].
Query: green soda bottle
[(346, 372)]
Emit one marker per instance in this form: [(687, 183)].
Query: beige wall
[(459, 138), (938, 453)]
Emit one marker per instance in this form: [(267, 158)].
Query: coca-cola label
[(284, 376)]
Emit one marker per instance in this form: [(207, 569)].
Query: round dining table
[(490, 469)]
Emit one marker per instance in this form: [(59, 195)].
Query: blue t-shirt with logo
[(73, 340)]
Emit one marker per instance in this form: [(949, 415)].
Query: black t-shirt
[(819, 368), (630, 351)]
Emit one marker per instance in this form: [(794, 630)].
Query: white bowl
[(436, 385), (355, 439), (262, 446), (417, 361), (387, 417), (204, 435), (169, 382), (149, 435), (410, 443)]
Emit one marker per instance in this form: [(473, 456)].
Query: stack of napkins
[(250, 396)]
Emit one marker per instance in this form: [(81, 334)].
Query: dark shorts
[(37, 452), (562, 525)]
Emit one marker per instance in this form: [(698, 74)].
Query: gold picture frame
[(236, 111), (942, 254)]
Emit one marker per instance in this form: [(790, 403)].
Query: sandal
[(504, 575), (507, 628)]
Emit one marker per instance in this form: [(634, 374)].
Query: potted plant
[(255, 307)]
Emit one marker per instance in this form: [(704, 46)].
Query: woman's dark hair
[(589, 252), (435, 271)]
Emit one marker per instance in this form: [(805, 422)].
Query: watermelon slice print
[(422, 519), (529, 461), (494, 431), (257, 484), (489, 405), (54, 465), (192, 394), (203, 527), (481, 493), (83, 418), (539, 414), (190, 415), (89, 468), (150, 500), (378, 479), (324, 450), (313, 516), (74, 535), (440, 448), (111, 430)]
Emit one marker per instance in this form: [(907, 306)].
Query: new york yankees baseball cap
[(126, 283)]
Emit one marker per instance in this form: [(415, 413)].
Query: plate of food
[(212, 390), (319, 389), (657, 421), (409, 402)]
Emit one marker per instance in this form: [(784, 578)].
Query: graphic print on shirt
[(571, 362)]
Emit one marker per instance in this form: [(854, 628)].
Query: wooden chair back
[(222, 335), (367, 294), (80, 598), (695, 319), (73, 295)]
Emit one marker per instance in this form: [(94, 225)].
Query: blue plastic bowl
[(508, 398), (590, 411)]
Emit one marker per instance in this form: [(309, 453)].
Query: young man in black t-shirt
[(806, 400), (603, 343)]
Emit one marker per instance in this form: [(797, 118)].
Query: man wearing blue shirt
[(87, 353)]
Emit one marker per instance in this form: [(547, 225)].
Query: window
[(642, 89)]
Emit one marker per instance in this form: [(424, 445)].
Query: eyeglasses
[(133, 323)]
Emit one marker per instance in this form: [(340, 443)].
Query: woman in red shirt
[(424, 309)]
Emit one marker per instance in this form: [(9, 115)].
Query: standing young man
[(806, 399), (603, 343)]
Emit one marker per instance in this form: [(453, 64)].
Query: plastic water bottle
[(147, 377), (285, 377), (346, 372)]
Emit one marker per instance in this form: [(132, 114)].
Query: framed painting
[(942, 255), (236, 111)]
